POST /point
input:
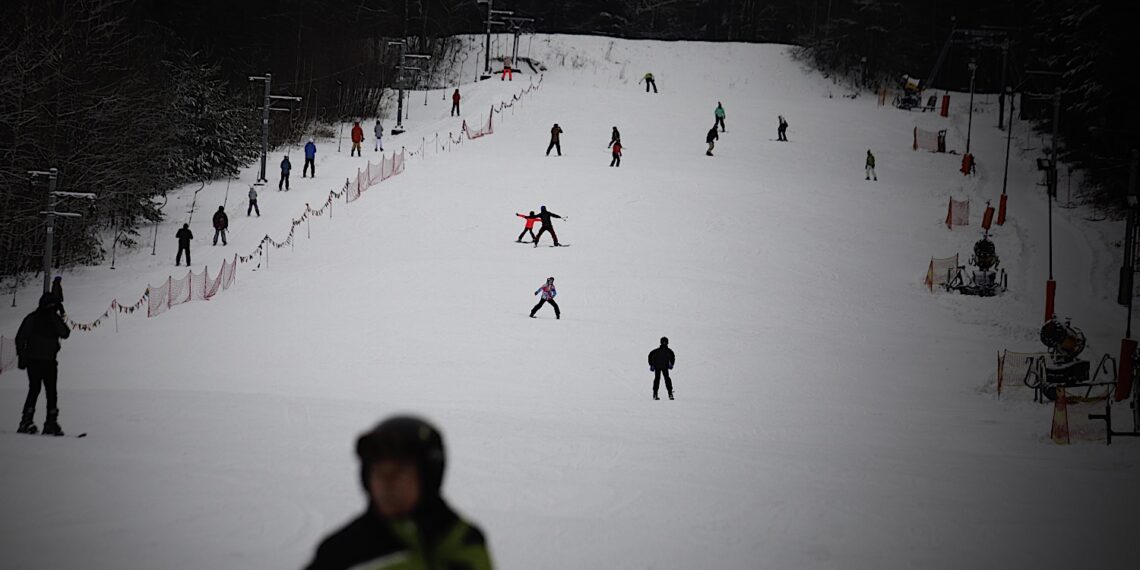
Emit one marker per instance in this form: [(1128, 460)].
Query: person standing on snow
[(455, 103), (310, 159), (57, 291), (286, 166), (719, 114), (648, 79), (870, 168), (709, 138), (253, 201), (529, 226), (548, 292), (555, 140), (616, 160), (547, 225), (507, 70), (184, 236), (378, 130), (406, 523), (37, 343), (221, 224), (782, 130), (357, 138), (660, 363)]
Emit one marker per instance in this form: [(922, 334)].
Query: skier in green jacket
[(648, 79), (407, 525), (870, 168), (719, 113)]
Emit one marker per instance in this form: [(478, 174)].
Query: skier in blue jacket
[(285, 168), (310, 157)]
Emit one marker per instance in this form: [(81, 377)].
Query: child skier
[(709, 138), (616, 160), (548, 293), (529, 226), (357, 138)]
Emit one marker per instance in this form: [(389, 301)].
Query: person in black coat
[(184, 236), (661, 361), (221, 223), (547, 225), (709, 138), (57, 290), (407, 524), (37, 343)]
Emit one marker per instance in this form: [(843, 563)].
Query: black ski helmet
[(664, 341), (405, 437)]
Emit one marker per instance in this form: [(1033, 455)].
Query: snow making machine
[(1063, 367), (986, 280)]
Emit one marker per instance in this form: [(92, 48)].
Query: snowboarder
[(310, 159), (660, 363), (253, 201), (529, 226), (455, 103), (547, 225), (719, 114), (286, 166), (37, 343), (555, 141), (709, 138), (221, 224), (782, 130), (871, 166), (184, 236), (616, 160), (57, 290), (357, 138), (406, 522), (615, 136), (648, 79), (548, 292), (378, 130)]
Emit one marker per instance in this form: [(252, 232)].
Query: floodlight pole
[(50, 213), (970, 123), (265, 109)]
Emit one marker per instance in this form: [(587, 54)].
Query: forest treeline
[(132, 98)]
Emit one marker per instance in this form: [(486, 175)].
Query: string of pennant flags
[(200, 287)]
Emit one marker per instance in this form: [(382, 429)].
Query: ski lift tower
[(401, 68), (491, 13), (517, 24)]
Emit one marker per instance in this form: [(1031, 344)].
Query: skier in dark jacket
[(547, 225), (221, 224), (615, 137), (57, 290), (184, 236), (407, 524), (782, 129), (548, 292), (709, 138), (286, 166), (529, 226), (661, 362), (555, 140), (37, 343), (310, 159), (455, 103), (253, 201)]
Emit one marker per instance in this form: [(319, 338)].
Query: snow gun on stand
[(1064, 368), (911, 96), (985, 281)]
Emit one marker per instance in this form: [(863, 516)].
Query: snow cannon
[(985, 281), (1063, 368)]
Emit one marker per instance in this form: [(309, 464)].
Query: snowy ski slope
[(830, 412)]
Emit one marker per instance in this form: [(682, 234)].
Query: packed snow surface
[(830, 412)]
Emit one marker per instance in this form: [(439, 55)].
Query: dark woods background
[(130, 99)]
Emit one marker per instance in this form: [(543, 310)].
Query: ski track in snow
[(831, 412)]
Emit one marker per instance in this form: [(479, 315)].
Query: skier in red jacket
[(530, 220), (616, 161), (357, 138), (455, 103)]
